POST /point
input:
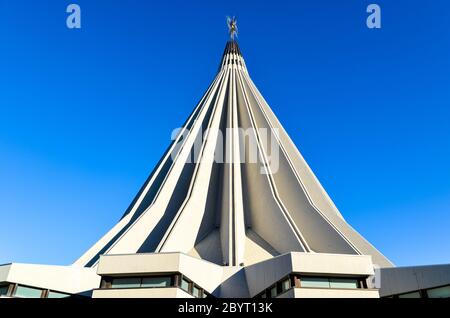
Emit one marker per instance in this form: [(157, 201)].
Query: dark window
[(27, 292), (299, 281), (53, 294), (4, 290), (185, 285), (347, 283), (415, 294), (285, 285), (156, 282), (196, 292), (315, 282), (273, 292), (174, 280), (440, 292), (127, 282)]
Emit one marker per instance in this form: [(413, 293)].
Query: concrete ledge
[(68, 279), (329, 293), (160, 263), (263, 274), (170, 292)]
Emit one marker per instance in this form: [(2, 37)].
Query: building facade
[(231, 210)]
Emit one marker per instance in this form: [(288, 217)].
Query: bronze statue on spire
[(232, 27)]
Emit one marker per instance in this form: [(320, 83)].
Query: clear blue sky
[(86, 114)]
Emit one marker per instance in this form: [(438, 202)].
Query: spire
[(232, 55)]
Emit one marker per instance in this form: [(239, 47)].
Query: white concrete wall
[(68, 279), (339, 264), (138, 263), (170, 292), (401, 280)]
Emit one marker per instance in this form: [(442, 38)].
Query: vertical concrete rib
[(238, 211)]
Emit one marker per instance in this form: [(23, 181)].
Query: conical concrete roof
[(232, 188)]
